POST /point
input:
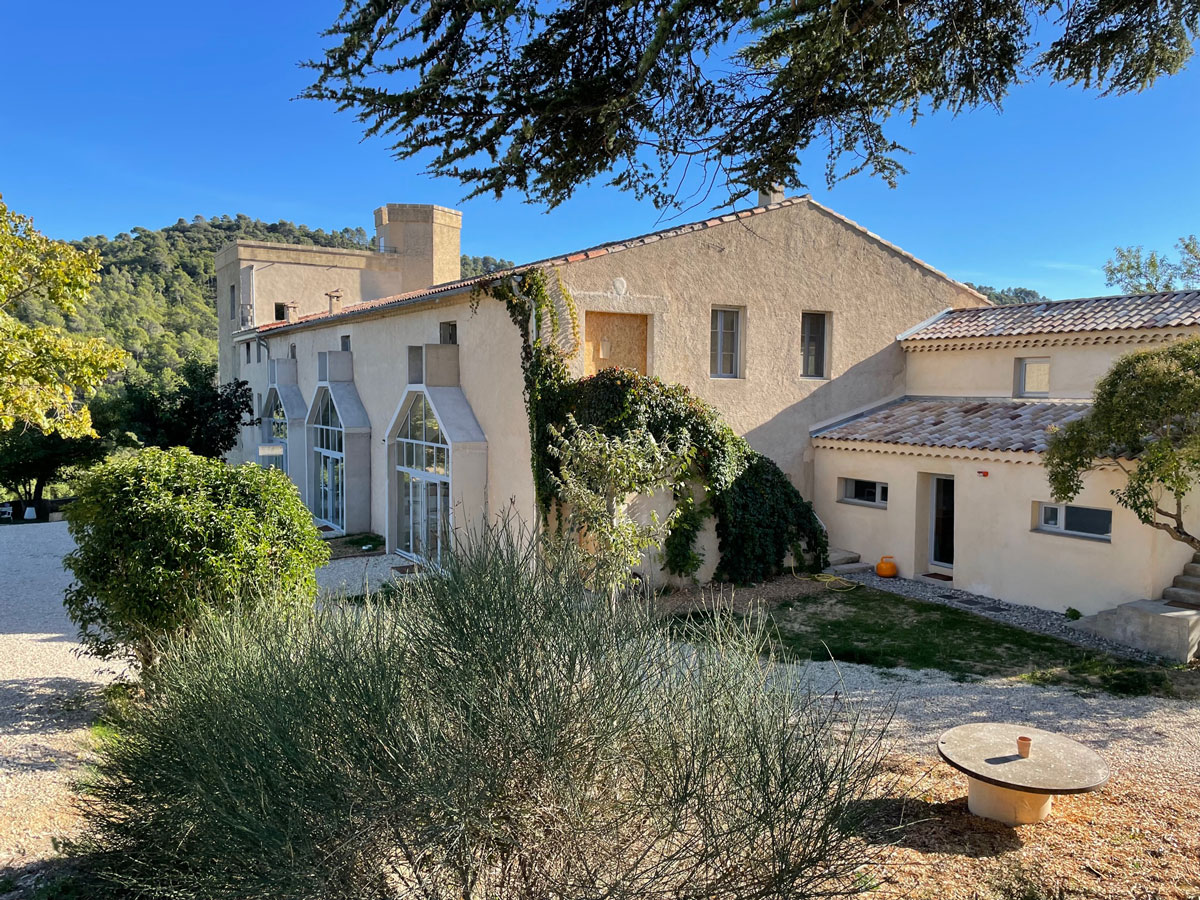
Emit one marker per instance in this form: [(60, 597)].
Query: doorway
[(941, 531)]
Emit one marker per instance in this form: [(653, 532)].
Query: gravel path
[(356, 575), (48, 694)]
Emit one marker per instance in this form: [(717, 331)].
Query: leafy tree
[(539, 98), (596, 475), (1009, 295), (44, 372), (483, 265), (1136, 272), (164, 535), (31, 458), (188, 409), (1145, 420)]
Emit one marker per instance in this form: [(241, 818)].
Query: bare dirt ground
[(49, 696)]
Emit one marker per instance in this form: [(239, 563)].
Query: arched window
[(423, 473), (329, 465)]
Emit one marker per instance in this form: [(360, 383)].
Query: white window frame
[(845, 491), (717, 333), (1022, 363), (275, 428), (412, 467), (329, 449), (1060, 525)]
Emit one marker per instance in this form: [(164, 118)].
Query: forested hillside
[(157, 292), (156, 296)]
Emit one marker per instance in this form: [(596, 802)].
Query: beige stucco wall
[(989, 371), (997, 552), (490, 373), (773, 267)]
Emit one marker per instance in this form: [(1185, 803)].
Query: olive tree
[(164, 535), (1145, 421)]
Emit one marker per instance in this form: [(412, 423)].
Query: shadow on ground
[(929, 827)]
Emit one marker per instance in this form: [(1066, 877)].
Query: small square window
[(1033, 377), (1050, 516), (723, 347), (813, 329), (280, 312), (448, 333)]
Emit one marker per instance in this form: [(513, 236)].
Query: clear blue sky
[(137, 113)]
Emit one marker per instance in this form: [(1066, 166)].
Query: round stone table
[(1004, 786)]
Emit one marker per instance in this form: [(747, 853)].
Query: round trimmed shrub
[(163, 535)]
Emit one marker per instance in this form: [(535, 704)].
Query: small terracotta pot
[(1023, 745)]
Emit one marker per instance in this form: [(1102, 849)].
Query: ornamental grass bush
[(164, 535), (493, 732)]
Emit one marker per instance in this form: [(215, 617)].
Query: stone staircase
[(844, 562), (1169, 627)]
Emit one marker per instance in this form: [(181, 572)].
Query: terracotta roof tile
[(1129, 311), (1011, 425)]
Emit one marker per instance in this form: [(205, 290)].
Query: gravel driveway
[(48, 694)]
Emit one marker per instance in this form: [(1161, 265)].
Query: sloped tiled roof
[(1126, 312), (1008, 425), (466, 284)]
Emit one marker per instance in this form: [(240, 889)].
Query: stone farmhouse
[(910, 411)]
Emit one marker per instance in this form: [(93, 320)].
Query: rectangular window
[(812, 344), (1077, 521), (232, 302), (345, 342), (280, 312), (868, 493), (723, 349), (291, 351), (448, 333), (247, 351), (1033, 377), (258, 352)]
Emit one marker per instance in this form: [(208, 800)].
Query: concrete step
[(1149, 625), (839, 557), (1192, 569), (1183, 595), (1188, 582), (849, 569), (1196, 557)]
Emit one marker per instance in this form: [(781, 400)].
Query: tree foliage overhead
[(1136, 272), (31, 458), (1145, 420), (540, 98), (45, 373)]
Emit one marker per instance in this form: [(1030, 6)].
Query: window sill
[(1095, 539), (815, 378), (1031, 396), (724, 377), (865, 503)]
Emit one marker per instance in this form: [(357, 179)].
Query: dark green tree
[(1009, 295), (1145, 420), (188, 409), (1137, 272), (30, 459), (483, 265), (661, 98)]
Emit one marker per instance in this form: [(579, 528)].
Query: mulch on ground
[(1136, 839)]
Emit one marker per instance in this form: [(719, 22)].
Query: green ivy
[(680, 556), (760, 514)]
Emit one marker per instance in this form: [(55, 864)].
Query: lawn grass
[(889, 631), (354, 545)]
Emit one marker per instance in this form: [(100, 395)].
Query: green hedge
[(164, 534)]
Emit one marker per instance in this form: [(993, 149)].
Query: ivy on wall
[(760, 516)]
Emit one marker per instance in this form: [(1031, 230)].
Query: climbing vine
[(760, 516)]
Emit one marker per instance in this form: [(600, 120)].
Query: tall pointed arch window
[(423, 473), (275, 430), (329, 465)]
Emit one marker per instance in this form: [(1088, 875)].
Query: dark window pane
[(1089, 521), (812, 341)]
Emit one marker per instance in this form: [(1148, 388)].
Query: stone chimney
[(335, 300), (774, 195), (426, 237)]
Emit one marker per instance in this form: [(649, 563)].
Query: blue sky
[(118, 115)]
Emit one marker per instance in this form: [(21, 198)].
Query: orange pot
[(886, 567)]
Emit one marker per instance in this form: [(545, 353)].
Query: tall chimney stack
[(774, 195), (335, 300), (426, 237)]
